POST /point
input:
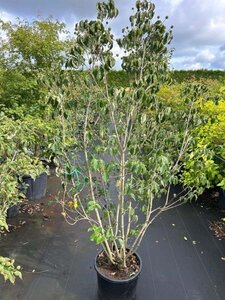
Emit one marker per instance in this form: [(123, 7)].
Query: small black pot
[(112, 289), (36, 188), (12, 211), (221, 198)]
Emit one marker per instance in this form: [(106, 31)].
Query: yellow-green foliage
[(214, 130), (205, 165), (170, 94), (8, 269)]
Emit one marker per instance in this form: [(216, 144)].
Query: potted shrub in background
[(129, 143), (15, 162), (21, 94), (25, 130), (31, 136), (40, 134)]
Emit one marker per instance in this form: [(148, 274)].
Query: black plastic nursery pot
[(12, 211), (221, 198), (113, 289), (36, 188)]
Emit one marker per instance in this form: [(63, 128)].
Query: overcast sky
[(199, 25)]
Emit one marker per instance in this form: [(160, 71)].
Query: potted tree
[(129, 144), (15, 161)]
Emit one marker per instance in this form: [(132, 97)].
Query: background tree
[(27, 50)]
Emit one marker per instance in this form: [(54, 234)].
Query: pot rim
[(118, 280), (27, 176)]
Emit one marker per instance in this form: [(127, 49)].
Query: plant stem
[(123, 247), (108, 250)]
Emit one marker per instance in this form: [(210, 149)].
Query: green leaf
[(92, 205), (121, 242)]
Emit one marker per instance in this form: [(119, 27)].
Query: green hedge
[(121, 78), (182, 75)]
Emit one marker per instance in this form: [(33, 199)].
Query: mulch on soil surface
[(210, 200), (28, 209), (218, 229)]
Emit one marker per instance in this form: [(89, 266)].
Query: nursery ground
[(182, 259)]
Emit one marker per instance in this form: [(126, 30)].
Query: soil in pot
[(114, 283), (112, 272)]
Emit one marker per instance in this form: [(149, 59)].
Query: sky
[(199, 25)]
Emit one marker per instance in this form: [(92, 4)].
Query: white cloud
[(194, 66), (199, 28), (206, 55), (5, 16)]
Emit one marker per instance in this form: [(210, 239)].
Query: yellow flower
[(75, 204)]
